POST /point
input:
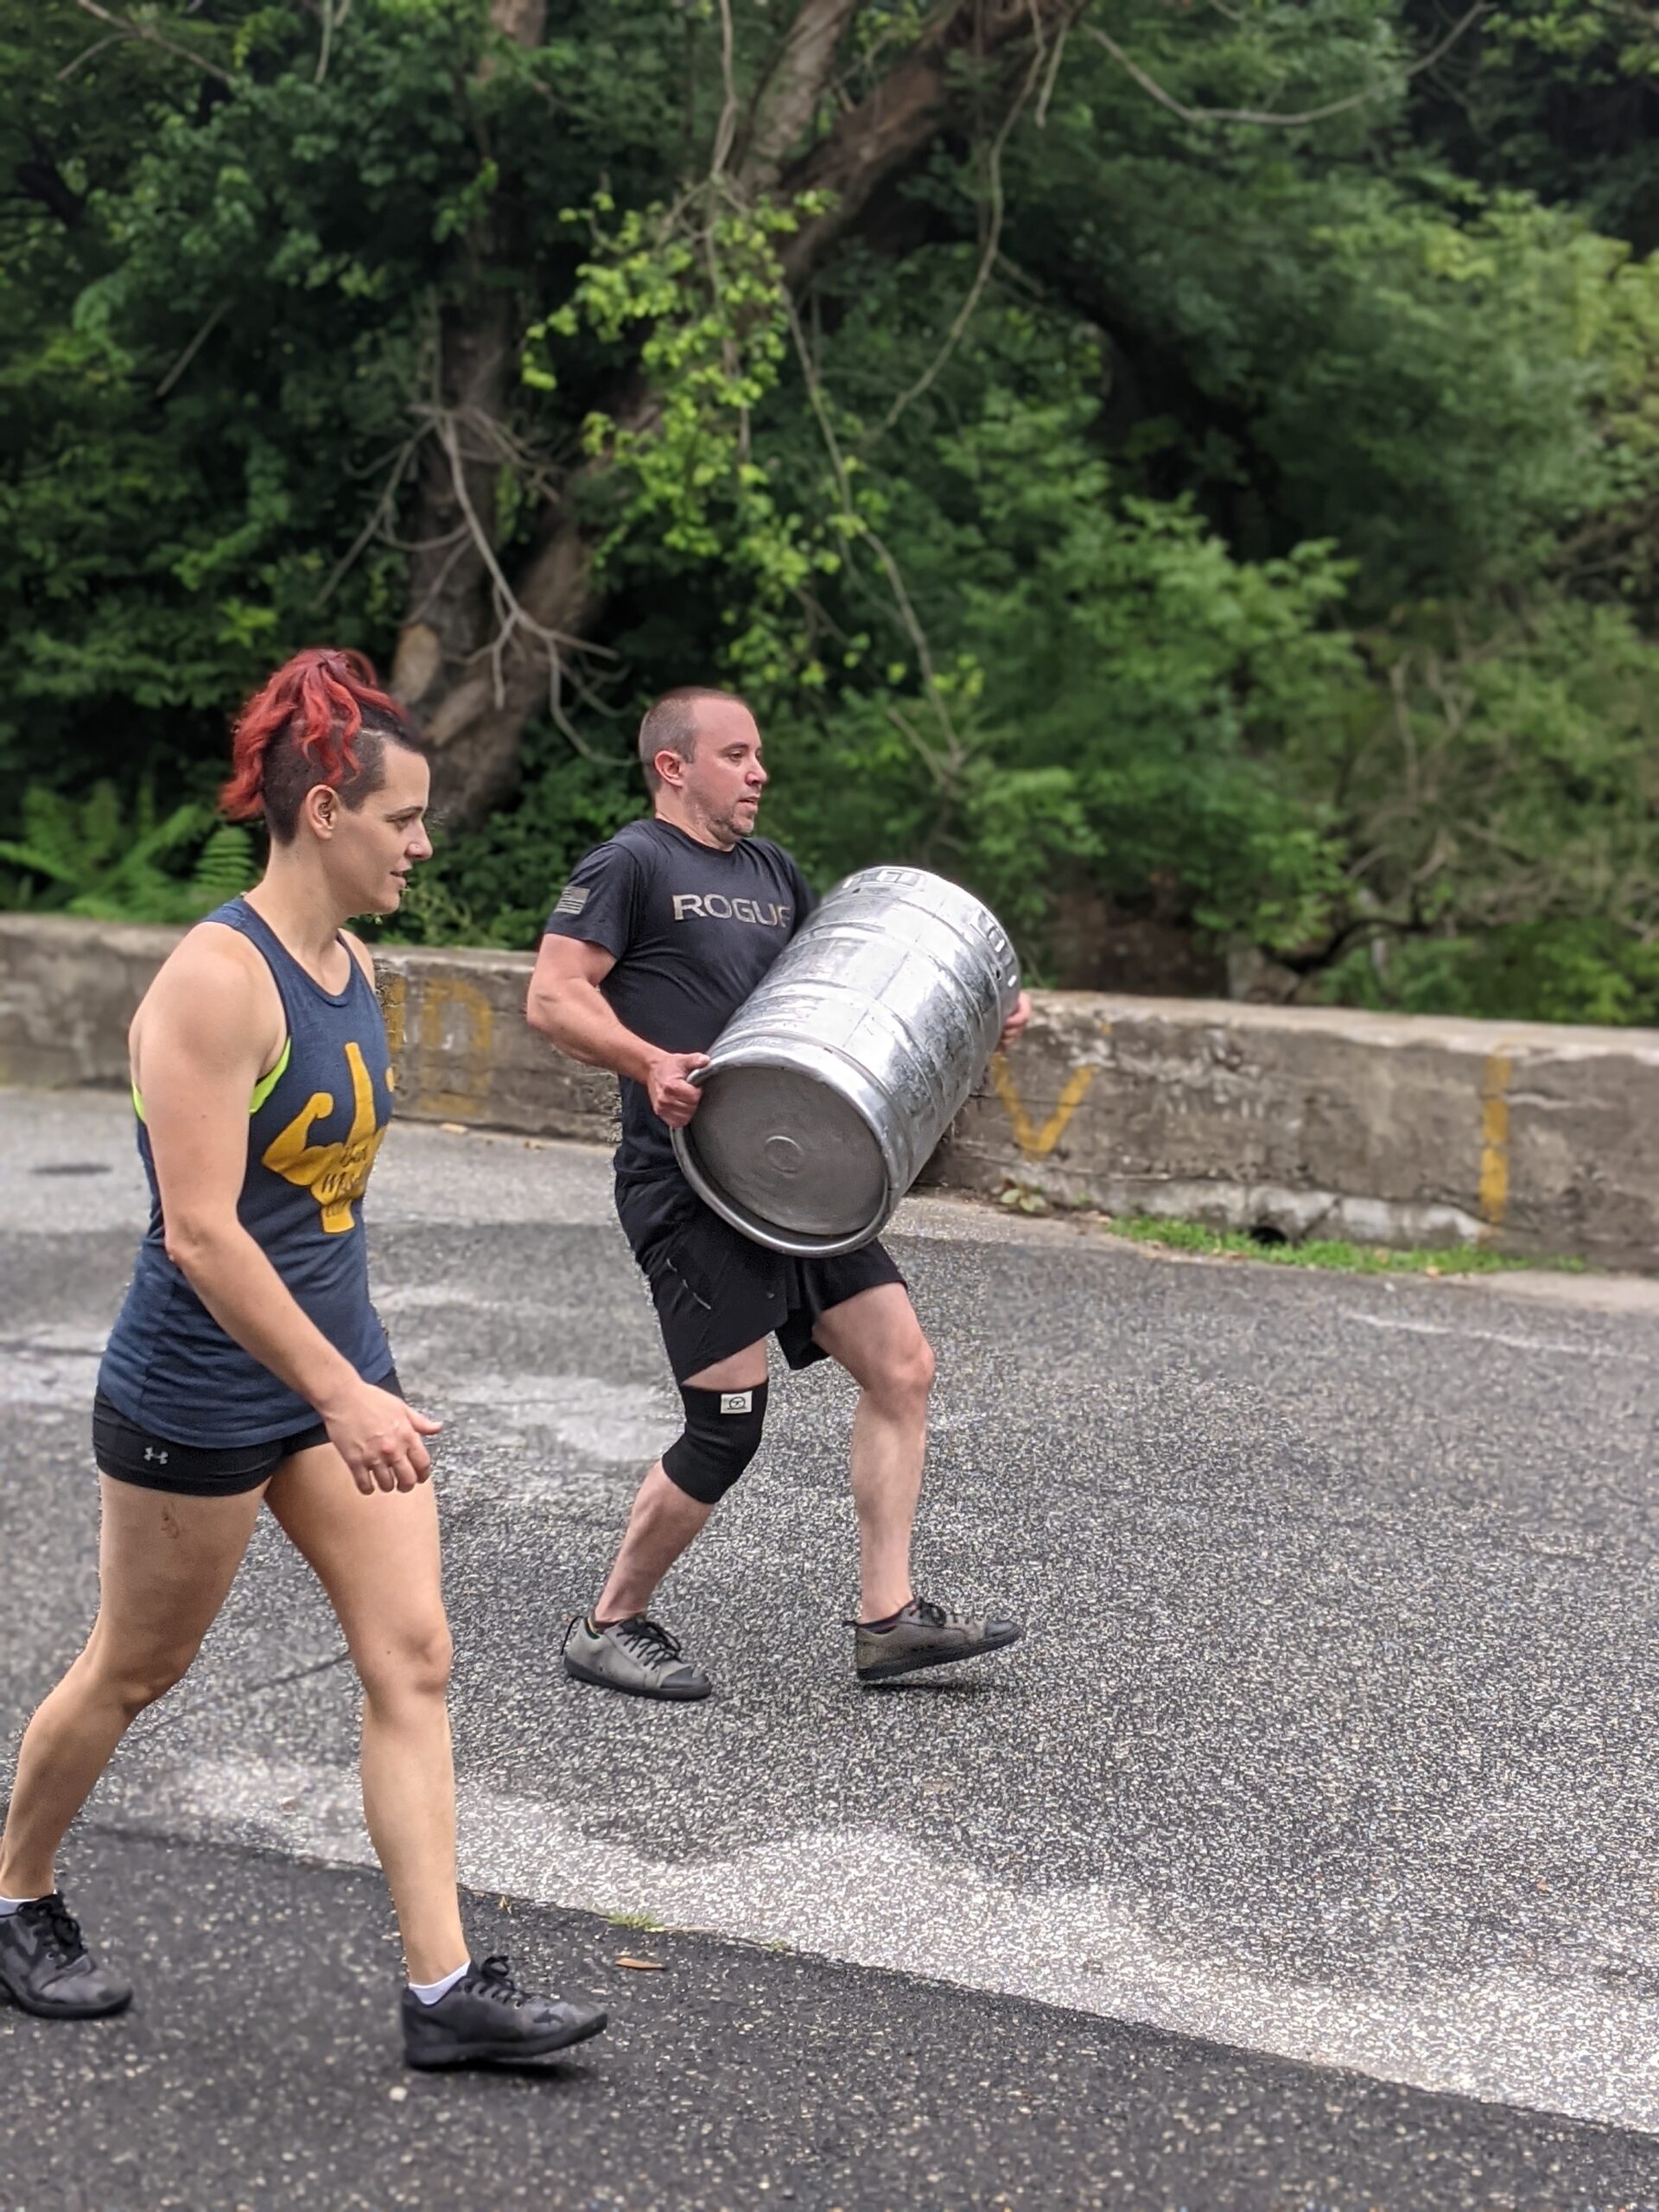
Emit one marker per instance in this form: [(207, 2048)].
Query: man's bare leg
[(878, 1340), (664, 1519), (617, 1647)]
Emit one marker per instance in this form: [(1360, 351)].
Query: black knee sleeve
[(722, 1435)]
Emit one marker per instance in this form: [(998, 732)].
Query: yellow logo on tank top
[(335, 1174)]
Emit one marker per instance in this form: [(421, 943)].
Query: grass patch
[(1326, 1252), (646, 1923)]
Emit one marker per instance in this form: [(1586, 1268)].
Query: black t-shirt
[(692, 930)]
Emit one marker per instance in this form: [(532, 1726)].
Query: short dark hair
[(670, 726)]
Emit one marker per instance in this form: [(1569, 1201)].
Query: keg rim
[(756, 1226)]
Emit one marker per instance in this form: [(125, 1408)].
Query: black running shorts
[(715, 1292), (128, 1453)]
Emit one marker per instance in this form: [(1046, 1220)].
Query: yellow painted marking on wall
[(1495, 1138), (394, 1005), (1035, 1143), (453, 1078)]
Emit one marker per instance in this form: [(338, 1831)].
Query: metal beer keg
[(828, 1090)]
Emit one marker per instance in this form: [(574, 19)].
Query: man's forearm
[(580, 1021)]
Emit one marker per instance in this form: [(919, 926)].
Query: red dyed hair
[(307, 725)]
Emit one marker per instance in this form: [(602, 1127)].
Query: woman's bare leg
[(377, 1558), (165, 1563)]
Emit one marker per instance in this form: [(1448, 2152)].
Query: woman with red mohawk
[(248, 1367)]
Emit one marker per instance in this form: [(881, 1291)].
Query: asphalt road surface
[(1305, 1854)]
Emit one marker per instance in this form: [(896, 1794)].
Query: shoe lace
[(59, 1931), (494, 1981), (922, 1610), (652, 1645)]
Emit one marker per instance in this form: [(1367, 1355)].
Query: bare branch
[(726, 130), (465, 701), (955, 755), (870, 140), (987, 256), (115, 38), (151, 36), (510, 614), (192, 349), (1263, 118), (454, 548), (786, 101), (1053, 75), (382, 507)]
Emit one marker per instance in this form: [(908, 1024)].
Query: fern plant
[(85, 856)]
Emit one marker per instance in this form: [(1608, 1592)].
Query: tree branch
[(1265, 119), (192, 349), (151, 36), (1039, 64), (513, 616), (90, 54), (385, 505), (945, 772), (1053, 75), (333, 18), (787, 102), (874, 138), (726, 129)]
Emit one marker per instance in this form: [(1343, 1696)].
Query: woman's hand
[(378, 1437)]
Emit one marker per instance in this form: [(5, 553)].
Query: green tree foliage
[(1151, 460)]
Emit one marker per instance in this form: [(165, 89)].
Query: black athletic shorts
[(715, 1292), (128, 1453)]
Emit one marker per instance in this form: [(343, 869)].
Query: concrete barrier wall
[(456, 1022), (1535, 1139)]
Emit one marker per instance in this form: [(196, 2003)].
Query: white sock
[(9, 1905), (429, 1991)]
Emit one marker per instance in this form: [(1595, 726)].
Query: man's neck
[(693, 825)]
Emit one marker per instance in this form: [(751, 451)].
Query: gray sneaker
[(486, 2019), (47, 1968), (635, 1656), (925, 1636)]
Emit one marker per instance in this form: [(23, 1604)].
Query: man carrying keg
[(658, 938)]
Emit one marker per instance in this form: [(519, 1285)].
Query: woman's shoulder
[(213, 992), (213, 955)]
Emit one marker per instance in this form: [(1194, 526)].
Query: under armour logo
[(159, 1457)]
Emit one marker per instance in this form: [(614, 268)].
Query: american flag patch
[(572, 899)]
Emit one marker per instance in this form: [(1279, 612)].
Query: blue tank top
[(313, 1128)]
